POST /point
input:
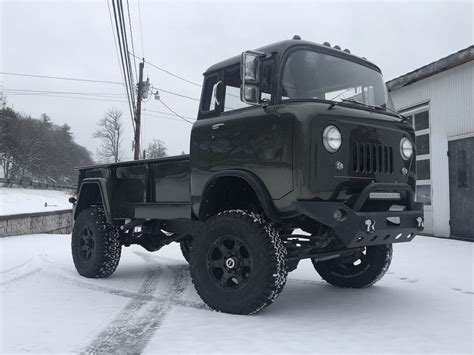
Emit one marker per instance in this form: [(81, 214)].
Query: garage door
[(461, 187)]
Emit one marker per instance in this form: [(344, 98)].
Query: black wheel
[(95, 244), (185, 246), (238, 263), (362, 269)]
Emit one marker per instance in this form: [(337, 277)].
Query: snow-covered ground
[(19, 200), (423, 305)]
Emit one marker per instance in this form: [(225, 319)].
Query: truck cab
[(312, 124), (297, 152)]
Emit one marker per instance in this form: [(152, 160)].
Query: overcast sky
[(75, 39)]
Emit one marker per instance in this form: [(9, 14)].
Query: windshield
[(312, 75)]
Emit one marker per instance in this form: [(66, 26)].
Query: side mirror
[(249, 69)]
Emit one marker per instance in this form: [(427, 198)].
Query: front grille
[(372, 158)]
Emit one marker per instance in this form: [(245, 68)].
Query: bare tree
[(156, 149), (110, 133)]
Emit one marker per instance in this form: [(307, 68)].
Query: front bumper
[(356, 228)]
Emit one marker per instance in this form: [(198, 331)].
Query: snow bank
[(19, 200), (423, 305)]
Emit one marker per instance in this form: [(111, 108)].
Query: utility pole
[(138, 113)]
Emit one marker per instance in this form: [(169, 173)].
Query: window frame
[(203, 114), (282, 61), (225, 113), (274, 81)]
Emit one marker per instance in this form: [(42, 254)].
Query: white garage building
[(439, 101)]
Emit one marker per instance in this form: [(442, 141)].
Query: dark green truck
[(292, 137)]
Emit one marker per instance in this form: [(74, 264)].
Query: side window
[(232, 82), (209, 102)]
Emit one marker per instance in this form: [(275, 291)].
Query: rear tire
[(95, 244), (360, 270), (238, 263)]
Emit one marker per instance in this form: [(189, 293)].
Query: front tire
[(362, 269), (95, 244), (238, 263), (185, 246)]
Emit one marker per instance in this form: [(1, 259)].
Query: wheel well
[(227, 193), (89, 195)]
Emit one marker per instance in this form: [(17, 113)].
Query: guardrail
[(50, 222), (35, 184)]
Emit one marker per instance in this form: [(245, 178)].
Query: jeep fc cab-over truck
[(296, 153)]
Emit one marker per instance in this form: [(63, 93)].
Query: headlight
[(332, 139), (406, 148)]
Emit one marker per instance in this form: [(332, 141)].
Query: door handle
[(217, 125)]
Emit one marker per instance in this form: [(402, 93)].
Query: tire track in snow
[(131, 330), (18, 266), (4, 282), (20, 272), (76, 281)]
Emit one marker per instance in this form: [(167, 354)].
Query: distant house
[(439, 101)]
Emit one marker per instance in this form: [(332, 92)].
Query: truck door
[(252, 138)]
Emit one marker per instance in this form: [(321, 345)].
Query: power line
[(113, 33), (170, 73), (141, 31), (62, 78), (64, 92), (94, 81), (171, 110), (176, 94), (126, 52), (165, 118), (167, 113), (60, 96), (122, 62), (131, 39), (177, 76)]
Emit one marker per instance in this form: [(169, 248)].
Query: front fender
[(255, 183)]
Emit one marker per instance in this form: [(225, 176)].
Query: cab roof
[(282, 46)]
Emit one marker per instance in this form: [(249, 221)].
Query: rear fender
[(93, 191)]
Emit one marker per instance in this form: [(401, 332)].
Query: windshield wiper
[(403, 118), (332, 105)]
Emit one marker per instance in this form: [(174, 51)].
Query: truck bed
[(151, 188)]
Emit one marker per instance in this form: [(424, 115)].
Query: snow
[(19, 200), (423, 305)]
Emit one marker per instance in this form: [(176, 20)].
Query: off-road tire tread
[(185, 251), (375, 272), (276, 250), (106, 263)]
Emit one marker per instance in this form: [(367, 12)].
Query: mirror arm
[(216, 94)]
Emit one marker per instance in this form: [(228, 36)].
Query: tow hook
[(369, 225), (421, 223)]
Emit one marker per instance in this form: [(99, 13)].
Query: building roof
[(282, 46), (453, 60)]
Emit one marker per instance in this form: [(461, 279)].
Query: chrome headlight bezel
[(332, 138), (406, 148)]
